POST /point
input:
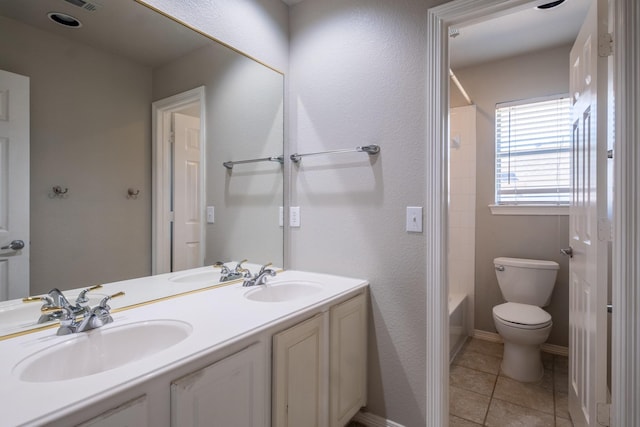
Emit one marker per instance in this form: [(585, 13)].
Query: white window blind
[(533, 143)]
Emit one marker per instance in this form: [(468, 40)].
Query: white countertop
[(218, 317)]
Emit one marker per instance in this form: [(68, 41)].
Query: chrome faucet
[(227, 274), (261, 277), (93, 318), (56, 299)]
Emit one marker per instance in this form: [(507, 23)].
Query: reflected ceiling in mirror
[(91, 91)]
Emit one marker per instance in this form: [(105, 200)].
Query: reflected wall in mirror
[(91, 91)]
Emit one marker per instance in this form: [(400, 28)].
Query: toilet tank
[(526, 281)]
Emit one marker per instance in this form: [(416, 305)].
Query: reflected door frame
[(162, 215)]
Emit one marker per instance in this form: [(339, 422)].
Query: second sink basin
[(100, 350), (283, 291)]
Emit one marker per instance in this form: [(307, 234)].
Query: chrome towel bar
[(229, 165), (369, 149)]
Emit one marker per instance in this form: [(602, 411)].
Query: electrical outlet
[(211, 216)]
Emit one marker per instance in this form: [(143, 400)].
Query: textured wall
[(255, 27), (357, 72), (539, 237)]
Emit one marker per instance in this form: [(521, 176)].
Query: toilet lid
[(523, 314)]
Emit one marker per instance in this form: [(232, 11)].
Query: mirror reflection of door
[(186, 245), (14, 185)]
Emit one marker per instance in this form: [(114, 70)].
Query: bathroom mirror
[(92, 87)]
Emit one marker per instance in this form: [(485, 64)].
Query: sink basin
[(203, 276), (283, 291), (100, 350)]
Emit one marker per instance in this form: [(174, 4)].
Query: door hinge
[(605, 230), (172, 216), (172, 137), (604, 414), (605, 44)]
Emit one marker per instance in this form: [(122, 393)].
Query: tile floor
[(479, 395)]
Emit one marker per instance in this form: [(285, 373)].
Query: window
[(533, 143)]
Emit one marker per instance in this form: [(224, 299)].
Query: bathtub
[(457, 323)]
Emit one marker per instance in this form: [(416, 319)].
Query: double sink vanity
[(290, 352)]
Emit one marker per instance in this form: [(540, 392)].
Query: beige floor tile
[(481, 362), (505, 414), (561, 364), (562, 405), (485, 347), (529, 395), (547, 360), (461, 422), (467, 404), (472, 380), (561, 382), (563, 422)]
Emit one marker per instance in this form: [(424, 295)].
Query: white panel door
[(230, 393), (348, 360), (187, 225), (299, 394), (589, 230), (14, 185)]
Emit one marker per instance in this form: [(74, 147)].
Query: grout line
[(495, 384), (553, 389)]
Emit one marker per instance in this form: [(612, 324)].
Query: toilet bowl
[(523, 329), (527, 286)]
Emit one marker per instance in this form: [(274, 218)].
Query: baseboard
[(372, 420), (546, 347)]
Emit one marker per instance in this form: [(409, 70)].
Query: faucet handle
[(48, 301), (103, 304), (264, 267), (239, 268), (224, 268), (82, 297)]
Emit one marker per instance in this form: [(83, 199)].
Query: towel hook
[(58, 191), (132, 193)]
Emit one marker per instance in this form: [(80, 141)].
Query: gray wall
[(244, 120), (356, 77), (92, 136), (538, 237)]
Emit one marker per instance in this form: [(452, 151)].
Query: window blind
[(533, 157)]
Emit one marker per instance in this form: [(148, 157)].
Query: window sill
[(528, 210)]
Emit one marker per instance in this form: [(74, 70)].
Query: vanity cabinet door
[(348, 360), (299, 375), (131, 414), (232, 392)]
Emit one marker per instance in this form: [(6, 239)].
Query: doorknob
[(16, 245), (567, 251)]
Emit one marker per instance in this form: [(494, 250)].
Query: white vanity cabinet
[(319, 368), (348, 360), (228, 393), (130, 414)]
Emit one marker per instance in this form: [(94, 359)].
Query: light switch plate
[(294, 216), (211, 216), (414, 219), (281, 217)]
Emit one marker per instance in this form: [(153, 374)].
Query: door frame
[(161, 173), (626, 245)]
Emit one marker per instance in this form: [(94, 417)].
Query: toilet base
[(522, 362)]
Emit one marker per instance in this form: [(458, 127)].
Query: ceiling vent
[(86, 5)]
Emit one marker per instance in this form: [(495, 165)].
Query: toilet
[(526, 285)]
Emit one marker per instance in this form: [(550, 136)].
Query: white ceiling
[(123, 27), (524, 31)]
